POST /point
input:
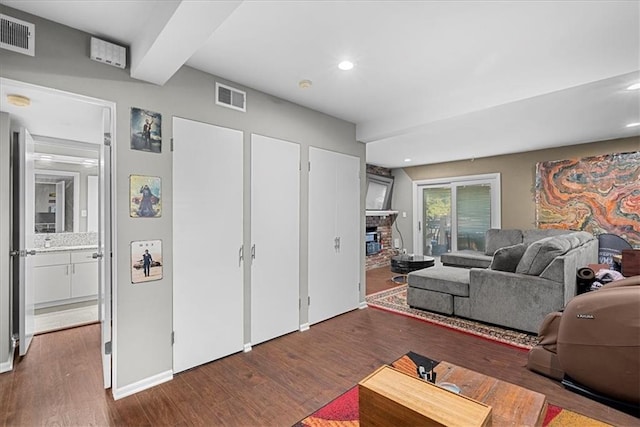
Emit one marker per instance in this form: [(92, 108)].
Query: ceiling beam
[(162, 50)]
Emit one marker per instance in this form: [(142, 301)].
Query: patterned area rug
[(395, 301), (343, 411)]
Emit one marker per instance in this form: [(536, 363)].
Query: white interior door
[(348, 231), (207, 242), (26, 212), (334, 256), (103, 255), (275, 234)]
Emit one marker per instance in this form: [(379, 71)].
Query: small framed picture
[(146, 261), (146, 130), (145, 196)]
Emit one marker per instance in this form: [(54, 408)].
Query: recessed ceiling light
[(345, 65), (632, 125), (18, 100), (407, 159), (635, 86)]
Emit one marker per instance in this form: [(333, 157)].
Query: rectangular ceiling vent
[(18, 36), (230, 97)]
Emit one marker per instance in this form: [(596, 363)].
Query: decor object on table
[(597, 194), (146, 130), (145, 196)]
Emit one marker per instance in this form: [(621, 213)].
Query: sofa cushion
[(496, 238), (449, 280), (466, 259), (535, 234), (539, 254), (507, 258)]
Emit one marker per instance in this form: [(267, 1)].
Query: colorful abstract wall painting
[(599, 194)]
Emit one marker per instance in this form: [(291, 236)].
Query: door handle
[(253, 251), (240, 255), (22, 252), (97, 255)]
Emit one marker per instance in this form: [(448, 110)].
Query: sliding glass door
[(455, 213)]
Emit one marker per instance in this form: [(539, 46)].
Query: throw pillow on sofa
[(539, 254), (507, 258)]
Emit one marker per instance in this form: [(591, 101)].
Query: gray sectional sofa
[(521, 277)]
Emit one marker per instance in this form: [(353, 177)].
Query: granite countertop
[(66, 248)]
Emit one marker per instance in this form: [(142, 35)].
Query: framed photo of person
[(145, 196), (146, 130), (146, 261)]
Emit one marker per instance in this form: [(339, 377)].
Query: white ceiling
[(433, 80)]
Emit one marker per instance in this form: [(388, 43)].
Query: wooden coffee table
[(512, 405)]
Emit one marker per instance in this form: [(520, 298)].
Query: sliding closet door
[(334, 234), (207, 238), (275, 236)]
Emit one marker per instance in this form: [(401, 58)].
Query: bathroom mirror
[(62, 196)]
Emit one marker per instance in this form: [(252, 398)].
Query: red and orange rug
[(343, 411)]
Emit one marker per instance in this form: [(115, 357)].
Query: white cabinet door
[(275, 235), (52, 283), (207, 239), (84, 279), (334, 230)]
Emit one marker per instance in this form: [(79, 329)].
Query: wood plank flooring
[(276, 384)]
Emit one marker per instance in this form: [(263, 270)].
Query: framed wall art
[(145, 196), (598, 194), (146, 130), (146, 261)]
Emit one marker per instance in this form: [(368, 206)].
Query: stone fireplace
[(379, 242)]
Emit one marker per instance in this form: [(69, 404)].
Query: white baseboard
[(141, 385), (247, 347), (304, 327), (362, 305), (8, 365)]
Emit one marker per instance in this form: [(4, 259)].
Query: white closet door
[(348, 230), (334, 260), (275, 236), (207, 237)]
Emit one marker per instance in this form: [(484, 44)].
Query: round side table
[(405, 264)]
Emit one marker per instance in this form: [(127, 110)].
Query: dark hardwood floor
[(276, 384)]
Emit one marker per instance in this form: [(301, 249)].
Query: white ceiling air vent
[(18, 36), (230, 97)]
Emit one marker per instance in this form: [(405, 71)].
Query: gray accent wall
[(143, 312)]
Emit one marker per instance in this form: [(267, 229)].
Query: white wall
[(5, 244), (144, 321)]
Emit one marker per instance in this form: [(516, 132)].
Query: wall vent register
[(18, 36), (229, 97)]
